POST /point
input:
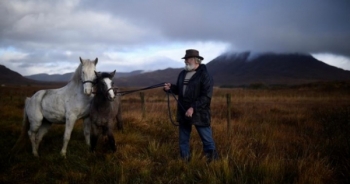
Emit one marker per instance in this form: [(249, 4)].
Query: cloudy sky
[(49, 36)]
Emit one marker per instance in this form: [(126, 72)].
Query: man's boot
[(211, 155)]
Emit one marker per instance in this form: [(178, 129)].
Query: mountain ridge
[(9, 77), (67, 76), (289, 68), (240, 69)]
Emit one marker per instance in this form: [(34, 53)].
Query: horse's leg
[(93, 137), (45, 126), (119, 119), (35, 117), (32, 135), (87, 129), (70, 121), (111, 140), (32, 132), (119, 122), (35, 124)]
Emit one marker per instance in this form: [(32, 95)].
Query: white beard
[(189, 67)]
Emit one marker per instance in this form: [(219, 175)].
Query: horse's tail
[(25, 127)]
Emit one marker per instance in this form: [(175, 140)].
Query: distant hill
[(9, 77), (66, 77), (237, 69), (243, 69), (54, 77), (148, 78), (230, 69)]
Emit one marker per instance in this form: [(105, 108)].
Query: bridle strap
[(89, 81), (112, 88), (106, 92)]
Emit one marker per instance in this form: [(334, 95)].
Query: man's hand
[(189, 112), (167, 86)]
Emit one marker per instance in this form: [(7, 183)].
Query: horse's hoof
[(63, 155), (92, 149), (87, 142)]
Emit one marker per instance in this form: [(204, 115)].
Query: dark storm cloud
[(280, 26), (36, 33)]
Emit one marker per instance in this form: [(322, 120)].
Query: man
[(194, 88)]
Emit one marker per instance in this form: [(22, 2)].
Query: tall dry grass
[(290, 135)]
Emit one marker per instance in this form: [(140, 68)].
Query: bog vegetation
[(284, 135)]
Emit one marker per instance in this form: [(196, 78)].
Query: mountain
[(243, 69), (9, 77), (66, 77), (54, 77), (148, 78), (128, 74), (229, 69)]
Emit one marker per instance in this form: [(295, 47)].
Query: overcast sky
[(49, 36)]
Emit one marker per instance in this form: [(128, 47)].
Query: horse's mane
[(76, 76), (104, 75)]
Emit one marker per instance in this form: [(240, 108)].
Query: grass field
[(285, 135)]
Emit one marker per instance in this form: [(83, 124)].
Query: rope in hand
[(169, 106)]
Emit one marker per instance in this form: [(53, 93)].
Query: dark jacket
[(198, 94)]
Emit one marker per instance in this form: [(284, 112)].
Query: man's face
[(190, 64), (190, 61)]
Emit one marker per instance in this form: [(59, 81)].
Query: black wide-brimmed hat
[(192, 53)]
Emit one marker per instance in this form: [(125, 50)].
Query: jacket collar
[(201, 67)]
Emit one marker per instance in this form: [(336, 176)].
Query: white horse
[(62, 106)]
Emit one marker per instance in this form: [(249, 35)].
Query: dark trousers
[(205, 134)]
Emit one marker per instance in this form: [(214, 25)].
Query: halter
[(107, 94), (89, 81)]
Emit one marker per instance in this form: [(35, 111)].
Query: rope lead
[(122, 93)]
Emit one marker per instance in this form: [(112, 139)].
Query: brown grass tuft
[(277, 136)]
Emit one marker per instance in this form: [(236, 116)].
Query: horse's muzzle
[(87, 92), (111, 98)]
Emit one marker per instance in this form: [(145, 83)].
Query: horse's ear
[(96, 60), (97, 74), (112, 74), (81, 60)]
